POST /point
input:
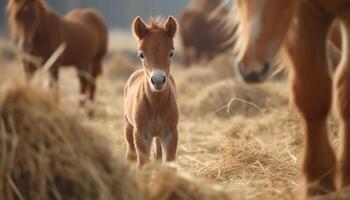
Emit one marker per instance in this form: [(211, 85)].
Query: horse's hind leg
[(312, 91), (94, 71), (342, 89), (83, 82)]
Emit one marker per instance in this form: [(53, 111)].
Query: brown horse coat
[(41, 31), (203, 37), (150, 94)]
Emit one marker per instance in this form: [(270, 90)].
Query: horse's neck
[(204, 5), (48, 23)]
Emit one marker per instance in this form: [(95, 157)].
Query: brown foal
[(150, 94)]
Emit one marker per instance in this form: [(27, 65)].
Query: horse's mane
[(13, 8), (156, 23), (205, 5)]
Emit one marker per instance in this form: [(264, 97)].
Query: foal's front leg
[(169, 144), (143, 143), (312, 94)]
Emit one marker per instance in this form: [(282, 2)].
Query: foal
[(150, 94), (303, 26)]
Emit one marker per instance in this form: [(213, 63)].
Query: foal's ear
[(170, 26), (139, 28)]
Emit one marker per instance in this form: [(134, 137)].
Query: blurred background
[(118, 13)]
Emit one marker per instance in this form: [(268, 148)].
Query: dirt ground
[(245, 139)]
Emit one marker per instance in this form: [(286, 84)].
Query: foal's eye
[(171, 54), (140, 54)]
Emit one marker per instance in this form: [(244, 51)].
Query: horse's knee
[(313, 99), (169, 143), (143, 145)]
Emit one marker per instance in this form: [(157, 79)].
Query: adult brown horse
[(302, 27), (41, 31), (201, 35)]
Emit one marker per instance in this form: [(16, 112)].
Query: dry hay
[(167, 184), (229, 98), (258, 171), (121, 66), (47, 153)]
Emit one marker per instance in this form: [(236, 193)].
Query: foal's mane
[(13, 8), (155, 23)]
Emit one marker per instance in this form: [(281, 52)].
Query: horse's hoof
[(319, 188)]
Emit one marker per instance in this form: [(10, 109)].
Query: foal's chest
[(157, 125)]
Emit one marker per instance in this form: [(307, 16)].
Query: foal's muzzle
[(157, 80), (253, 76)]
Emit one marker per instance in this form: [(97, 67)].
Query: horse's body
[(302, 27), (150, 95), (41, 31), (201, 35)]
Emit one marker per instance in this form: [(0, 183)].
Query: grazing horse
[(302, 26), (201, 35), (150, 94), (41, 31)]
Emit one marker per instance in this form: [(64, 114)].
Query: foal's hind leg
[(312, 91), (343, 103)]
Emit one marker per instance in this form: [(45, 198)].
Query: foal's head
[(156, 49), (24, 17), (262, 27)]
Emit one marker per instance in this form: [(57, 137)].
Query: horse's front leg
[(169, 144), (342, 90), (159, 151), (29, 70), (312, 94), (53, 82), (143, 142)]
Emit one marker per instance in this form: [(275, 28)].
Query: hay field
[(244, 140)]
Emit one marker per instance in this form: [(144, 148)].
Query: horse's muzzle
[(253, 76), (157, 80)]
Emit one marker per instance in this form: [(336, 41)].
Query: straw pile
[(48, 154)]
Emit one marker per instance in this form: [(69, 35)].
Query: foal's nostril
[(266, 68), (153, 81), (164, 79)]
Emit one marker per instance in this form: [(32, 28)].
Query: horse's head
[(262, 27), (24, 18), (155, 49)]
